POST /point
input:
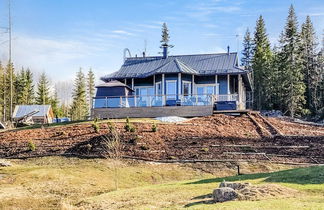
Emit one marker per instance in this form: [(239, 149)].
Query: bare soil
[(213, 138)]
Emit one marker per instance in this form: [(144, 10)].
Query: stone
[(224, 194), (234, 185), (4, 163)]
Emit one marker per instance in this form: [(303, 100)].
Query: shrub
[(96, 127), (111, 127), (204, 149), (154, 127), (129, 127), (31, 146)]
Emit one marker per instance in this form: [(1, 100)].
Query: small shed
[(37, 114), (113, 88)]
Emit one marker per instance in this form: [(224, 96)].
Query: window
[(144, 91), (186, 88), (158, 88), (206, 90), (171, 89)]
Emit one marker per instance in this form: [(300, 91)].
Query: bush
[(204, 149), (96, 127), (31, 146), (154, 127), (111, 127), (129, 127)]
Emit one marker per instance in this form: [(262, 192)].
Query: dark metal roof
[(199, 64)]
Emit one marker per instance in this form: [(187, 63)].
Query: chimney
[(165, 51), (228, 50), (143, 54)]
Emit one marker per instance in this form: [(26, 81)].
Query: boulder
[(234, 185), (224, 194), (4, 163)]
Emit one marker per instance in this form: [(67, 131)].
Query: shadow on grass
[(209, 201), (308, 175)]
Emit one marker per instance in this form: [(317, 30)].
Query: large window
[(144, 91), (186, 88), (206, 90), (171, 89)]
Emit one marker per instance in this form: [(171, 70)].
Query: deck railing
[(160, 100)]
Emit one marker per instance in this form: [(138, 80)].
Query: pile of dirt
[(217, 137)]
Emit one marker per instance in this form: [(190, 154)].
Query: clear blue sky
[(60, 36)]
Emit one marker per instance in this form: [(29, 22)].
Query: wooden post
[(238, 170), (179, 85), (193, 84), (163, 91), (132, 83), (125, 81), (228, 87)]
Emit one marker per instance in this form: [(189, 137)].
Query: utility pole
[(10, 61)]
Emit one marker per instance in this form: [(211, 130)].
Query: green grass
[(68, 183)]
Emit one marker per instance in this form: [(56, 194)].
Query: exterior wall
[(139, 112), (205, 79), (222, 80)]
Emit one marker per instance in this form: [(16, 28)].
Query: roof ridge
[(142, 58)]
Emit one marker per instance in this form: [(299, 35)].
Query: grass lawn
[(71, 183)]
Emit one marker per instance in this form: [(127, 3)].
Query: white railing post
[(106, 102)]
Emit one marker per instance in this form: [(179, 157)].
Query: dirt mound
[(258, 192), (217, 137)]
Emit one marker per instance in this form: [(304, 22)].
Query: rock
[(224, 194), (234, 185), (4, 163)]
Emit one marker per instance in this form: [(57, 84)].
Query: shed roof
[(114, 83), (22, 110), (199, 64)]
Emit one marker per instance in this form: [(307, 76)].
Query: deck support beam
[(193, 84), (132, 83), (179, 85), (163, 90)]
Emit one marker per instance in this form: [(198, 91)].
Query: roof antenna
[(145, 45), (228, 50)]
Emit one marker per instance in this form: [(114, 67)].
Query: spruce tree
[(261, 65), (79, 108), (55, 103), (247, 52), (42, 94), (20, 86), (1, 92), (30, 94), (9, 90), (90, 87), (291, 67), (165, 35)]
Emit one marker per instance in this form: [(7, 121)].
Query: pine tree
[(90, 87), (311, 69), (42, 94), (320, 89), (30, 94), (291, 67), (9, 90), (247, 53), (20, 86), (55, 103), (79, 108), (261, 65), (1, 91), (165, 35)]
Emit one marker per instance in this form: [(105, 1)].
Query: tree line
[(26, 91), (290, 76)]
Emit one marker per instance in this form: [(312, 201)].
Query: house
[(33, 114), (180, 85)]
